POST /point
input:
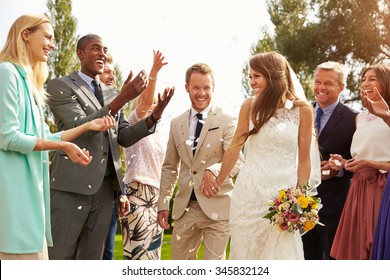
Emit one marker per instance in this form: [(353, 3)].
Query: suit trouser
[(80, 223), (194, 227)]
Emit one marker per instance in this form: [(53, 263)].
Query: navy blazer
[(336, 138)]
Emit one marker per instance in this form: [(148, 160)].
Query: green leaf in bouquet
[(270, 215), (297, 209)]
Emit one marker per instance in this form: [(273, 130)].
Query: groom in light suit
[(196, 217), (81, 197)]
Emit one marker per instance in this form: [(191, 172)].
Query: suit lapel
[(184, 133), (206, 126), (84, 89)]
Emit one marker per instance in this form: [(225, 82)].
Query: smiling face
[(257, 81), (40, 41), (200, 89), (327, 88), (92, 57), (369, 81), (108, 75)]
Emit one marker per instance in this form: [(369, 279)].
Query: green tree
[(63, 59), (309, 32)]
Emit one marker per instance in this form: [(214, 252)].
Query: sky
[(216, 32)]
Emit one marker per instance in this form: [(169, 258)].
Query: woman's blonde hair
[(16, 50)]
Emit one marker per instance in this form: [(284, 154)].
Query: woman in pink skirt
[(370, 156)]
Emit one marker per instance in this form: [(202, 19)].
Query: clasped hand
[(209, 186), (337, 161)]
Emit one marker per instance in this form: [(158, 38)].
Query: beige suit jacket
[(180, 163)]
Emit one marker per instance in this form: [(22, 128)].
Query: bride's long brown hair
[(276, 70)]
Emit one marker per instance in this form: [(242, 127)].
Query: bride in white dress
[(276, 128)]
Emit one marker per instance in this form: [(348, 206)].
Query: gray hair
[(337, 67)]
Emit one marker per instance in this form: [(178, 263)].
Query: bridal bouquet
[(294, 209)]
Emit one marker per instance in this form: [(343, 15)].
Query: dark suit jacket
[(336, 138), (73, 104)]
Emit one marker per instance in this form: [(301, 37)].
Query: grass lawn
[(165, 252)]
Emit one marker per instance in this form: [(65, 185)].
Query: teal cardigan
[(24, 173)]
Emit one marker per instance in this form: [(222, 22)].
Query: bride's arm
[(304, 142), (231, 155)]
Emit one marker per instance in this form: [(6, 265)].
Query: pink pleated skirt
[(355, 232)]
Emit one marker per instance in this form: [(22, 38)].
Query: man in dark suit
[(335, 124), (81, 198)]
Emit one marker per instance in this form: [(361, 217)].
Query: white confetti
[(221, 139), (103, 159), (189, 142), (61, 92), (214, 216), (325, 172), (202, 121), (208, 146), (203, 161), (54, 179), (337, 162), (89, 186), (187, 209), (66, 158), (289, 104), (178, 237), (74, 97), (80, 207)]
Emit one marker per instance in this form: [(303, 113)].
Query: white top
[(144, 159), (371, 138)]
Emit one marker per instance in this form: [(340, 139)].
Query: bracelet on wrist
[(153, 119), (152, 78)]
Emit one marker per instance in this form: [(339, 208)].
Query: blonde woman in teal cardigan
[(25, 139)]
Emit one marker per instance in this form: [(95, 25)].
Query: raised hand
[(375, 103), (163, 102), (158, 63), (130, 90)]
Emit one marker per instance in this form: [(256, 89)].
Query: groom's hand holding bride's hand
[(209, 186)]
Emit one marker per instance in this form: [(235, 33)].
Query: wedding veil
[(315, 158)]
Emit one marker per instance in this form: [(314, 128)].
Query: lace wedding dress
[(270, 165)]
